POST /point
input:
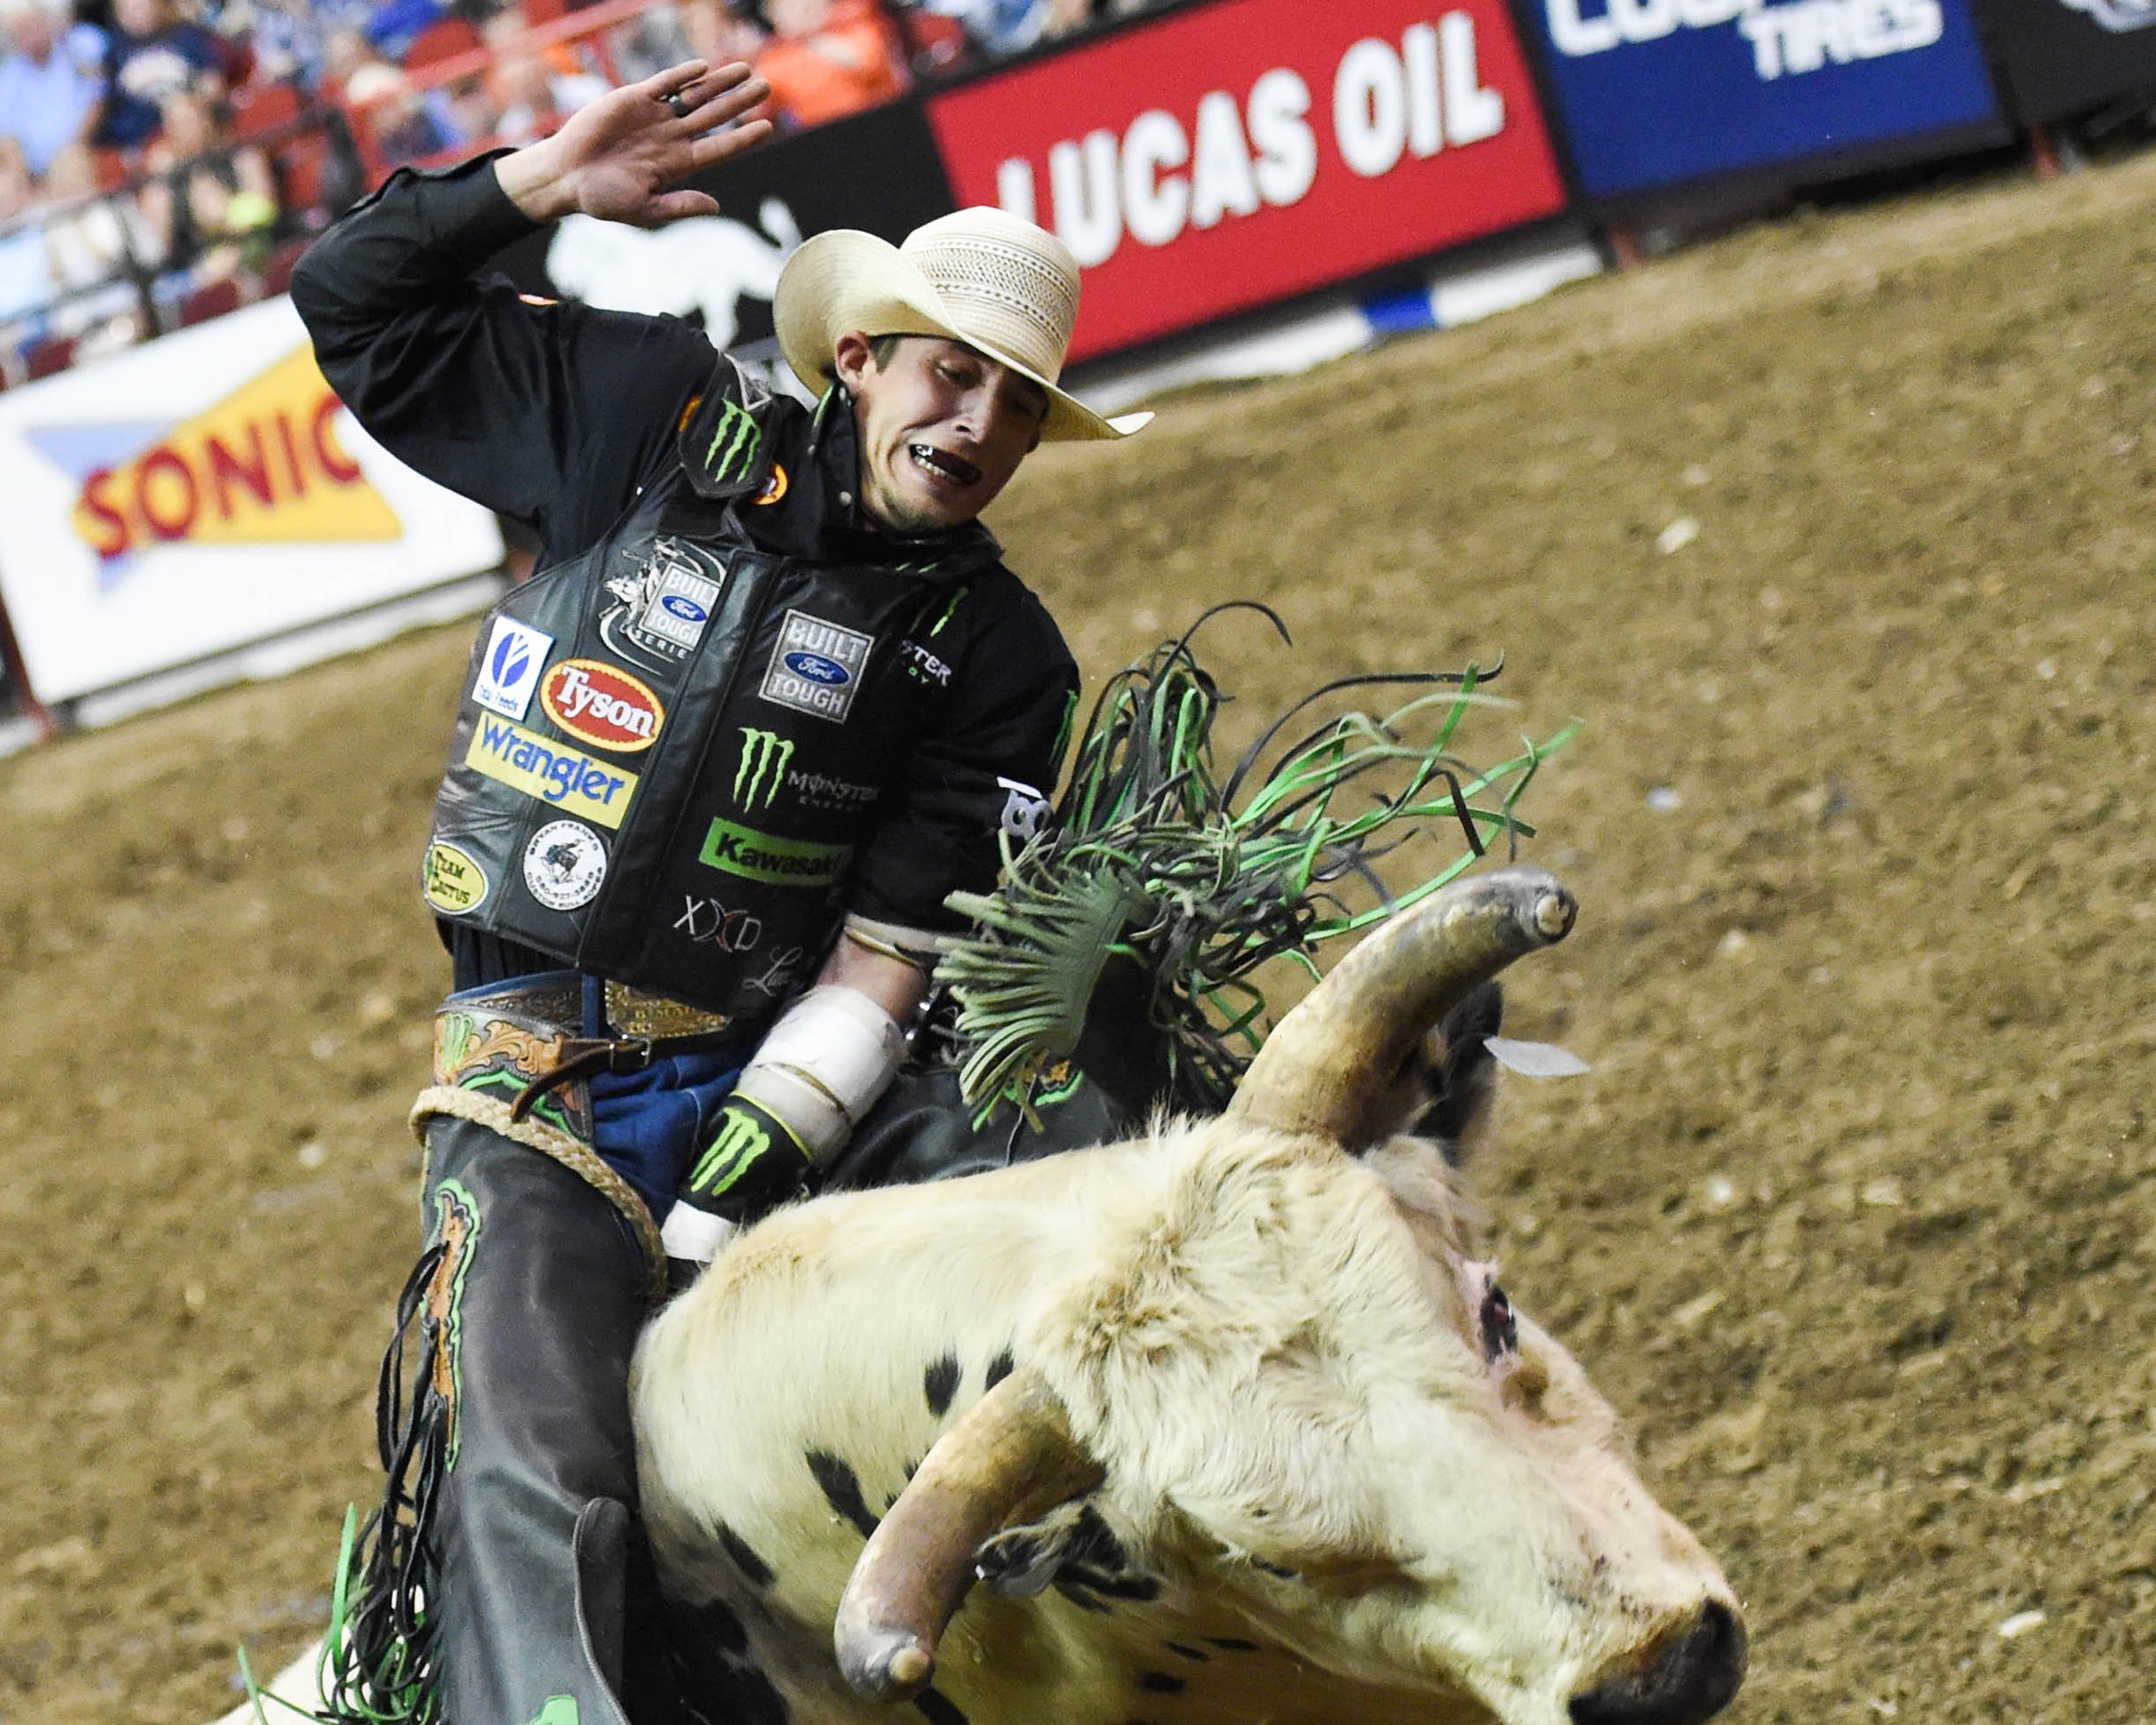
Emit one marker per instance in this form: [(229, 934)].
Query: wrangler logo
[(734, 443), (784, 862), (761, 752), (567, 779)]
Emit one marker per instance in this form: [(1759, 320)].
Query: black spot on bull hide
[(842, 1489), (940, 1382), (744, 1556), (709, 1675), (1160, 1683), (1196, 1653), (938, 1709), (1000, 1368)]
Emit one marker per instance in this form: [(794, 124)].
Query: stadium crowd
[(162, 162)]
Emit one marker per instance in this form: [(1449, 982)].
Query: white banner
[(200, 492)]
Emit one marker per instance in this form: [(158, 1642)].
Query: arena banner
[(200, 493), (877, 169), (2063, 58), (1227, 156), (1652, 93)]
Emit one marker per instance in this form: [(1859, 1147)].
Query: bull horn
[(1011, 1458), (1323, 1068)]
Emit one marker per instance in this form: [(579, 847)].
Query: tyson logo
[(599, 705), (817, 669)]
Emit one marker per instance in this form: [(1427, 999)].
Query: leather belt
[(531, 1028)]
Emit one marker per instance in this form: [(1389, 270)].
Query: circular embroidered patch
[(565, 864)]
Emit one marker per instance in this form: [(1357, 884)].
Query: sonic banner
[(1231, 155), (2064, 58), (199, 493), (1653, 93)]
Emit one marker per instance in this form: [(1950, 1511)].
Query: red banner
[(1239, 153)]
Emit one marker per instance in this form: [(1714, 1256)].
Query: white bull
[(1227, 1417)]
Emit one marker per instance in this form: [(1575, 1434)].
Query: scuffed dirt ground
[(1854, 1218)]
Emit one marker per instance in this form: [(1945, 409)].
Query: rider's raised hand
[(617, 157)]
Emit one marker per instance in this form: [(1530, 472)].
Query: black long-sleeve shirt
[(558, 415)]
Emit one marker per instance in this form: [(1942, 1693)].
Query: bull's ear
[(1463, 1076), (1022, 1561), (1443, 1090), (1070, 1548)]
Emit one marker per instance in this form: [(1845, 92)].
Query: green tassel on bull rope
[(1150, 857)]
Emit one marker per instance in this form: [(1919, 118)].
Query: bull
[(1224, 1423)]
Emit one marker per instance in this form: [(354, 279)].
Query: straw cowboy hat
[(982, 276)]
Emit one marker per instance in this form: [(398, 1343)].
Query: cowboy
[(770, 698)]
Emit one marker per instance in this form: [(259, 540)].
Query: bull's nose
[(1689, 1678)]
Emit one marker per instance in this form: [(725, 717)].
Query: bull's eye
[(1499, 1330)]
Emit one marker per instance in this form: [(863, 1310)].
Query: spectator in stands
[(392, 24), (52, 80), (827, 58), (93, 244), (1001, 26), (290, 38), (154, 54), (214, 206), (26, 281), (718, 35), (532, 90), (404, 128)]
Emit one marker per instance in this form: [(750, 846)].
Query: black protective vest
[(671, 748)]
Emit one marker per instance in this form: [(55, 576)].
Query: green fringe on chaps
[(378, 1663)]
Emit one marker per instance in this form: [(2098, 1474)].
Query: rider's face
[(942, 429)]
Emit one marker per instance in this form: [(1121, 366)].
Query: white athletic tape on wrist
[(803, 1107), (827, 1060), (695, 1235)]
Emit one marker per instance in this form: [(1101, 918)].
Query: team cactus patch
[(601, 704), (451, 880)]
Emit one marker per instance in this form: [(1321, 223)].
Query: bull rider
[(716, 769)]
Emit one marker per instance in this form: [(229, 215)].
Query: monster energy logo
[(734, 444), (740, 1141), (761, 750)]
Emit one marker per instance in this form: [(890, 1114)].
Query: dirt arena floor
[(1839, 534)]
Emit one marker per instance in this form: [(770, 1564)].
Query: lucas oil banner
[(1228, 156), (1656, 92), (200, 493)]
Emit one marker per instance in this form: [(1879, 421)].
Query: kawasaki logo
[(761, 751), (758, 856), (734, 444), (742, 1139)]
